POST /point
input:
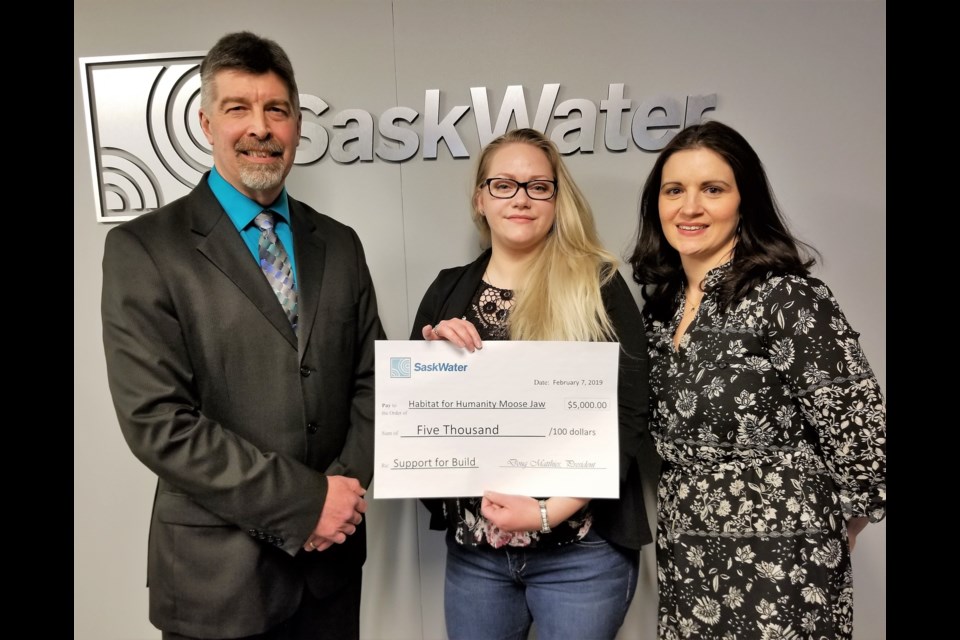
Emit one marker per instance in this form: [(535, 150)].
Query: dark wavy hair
[(247, 52), (764, 244)]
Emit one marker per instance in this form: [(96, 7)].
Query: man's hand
[(342, 513)]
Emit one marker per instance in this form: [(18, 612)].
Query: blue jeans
[(579, 591)]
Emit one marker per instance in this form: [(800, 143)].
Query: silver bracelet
[(544, 523)]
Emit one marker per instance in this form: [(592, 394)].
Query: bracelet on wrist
[(544, 522)]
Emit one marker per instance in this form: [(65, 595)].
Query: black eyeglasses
[(506, 188)]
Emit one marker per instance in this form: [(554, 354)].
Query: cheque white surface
[(528, 418)]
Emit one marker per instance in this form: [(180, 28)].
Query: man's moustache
[(269, 148)]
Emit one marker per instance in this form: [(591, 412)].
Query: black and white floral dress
[(772, 428)]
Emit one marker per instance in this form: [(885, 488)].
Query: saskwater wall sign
[(147, 148)]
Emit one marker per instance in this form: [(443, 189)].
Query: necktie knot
[(264, 221)]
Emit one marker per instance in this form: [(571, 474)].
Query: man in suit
[(253, 406)]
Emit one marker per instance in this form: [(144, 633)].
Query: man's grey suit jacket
[(239, 418)]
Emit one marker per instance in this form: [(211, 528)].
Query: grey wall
[(803, 80)]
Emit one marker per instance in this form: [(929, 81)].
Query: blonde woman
[(545, 276)]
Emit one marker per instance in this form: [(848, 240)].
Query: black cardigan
[(624, 521)]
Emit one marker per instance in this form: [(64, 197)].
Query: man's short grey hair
[(247, 52)]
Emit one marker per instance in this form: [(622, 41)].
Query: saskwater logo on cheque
[(401, 367)]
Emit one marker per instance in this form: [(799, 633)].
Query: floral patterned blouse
[(772, 428)]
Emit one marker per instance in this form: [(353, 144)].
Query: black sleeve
[(429, 307), (632, 386)]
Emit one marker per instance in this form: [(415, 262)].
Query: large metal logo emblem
[(146, 145)]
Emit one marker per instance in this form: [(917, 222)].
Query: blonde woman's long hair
[(559, 298)]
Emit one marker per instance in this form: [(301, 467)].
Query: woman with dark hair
[(770, 422), (568, 564)]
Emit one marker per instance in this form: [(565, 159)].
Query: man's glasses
[(506, 188)]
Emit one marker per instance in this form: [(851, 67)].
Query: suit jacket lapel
[(310, 250), (218, 240)]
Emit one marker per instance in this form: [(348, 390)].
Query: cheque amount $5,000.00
[(587, 404)]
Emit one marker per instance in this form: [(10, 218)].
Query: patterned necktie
[(276, 266)]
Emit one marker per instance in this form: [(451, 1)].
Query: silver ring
[(311, 544), (435, 331)]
